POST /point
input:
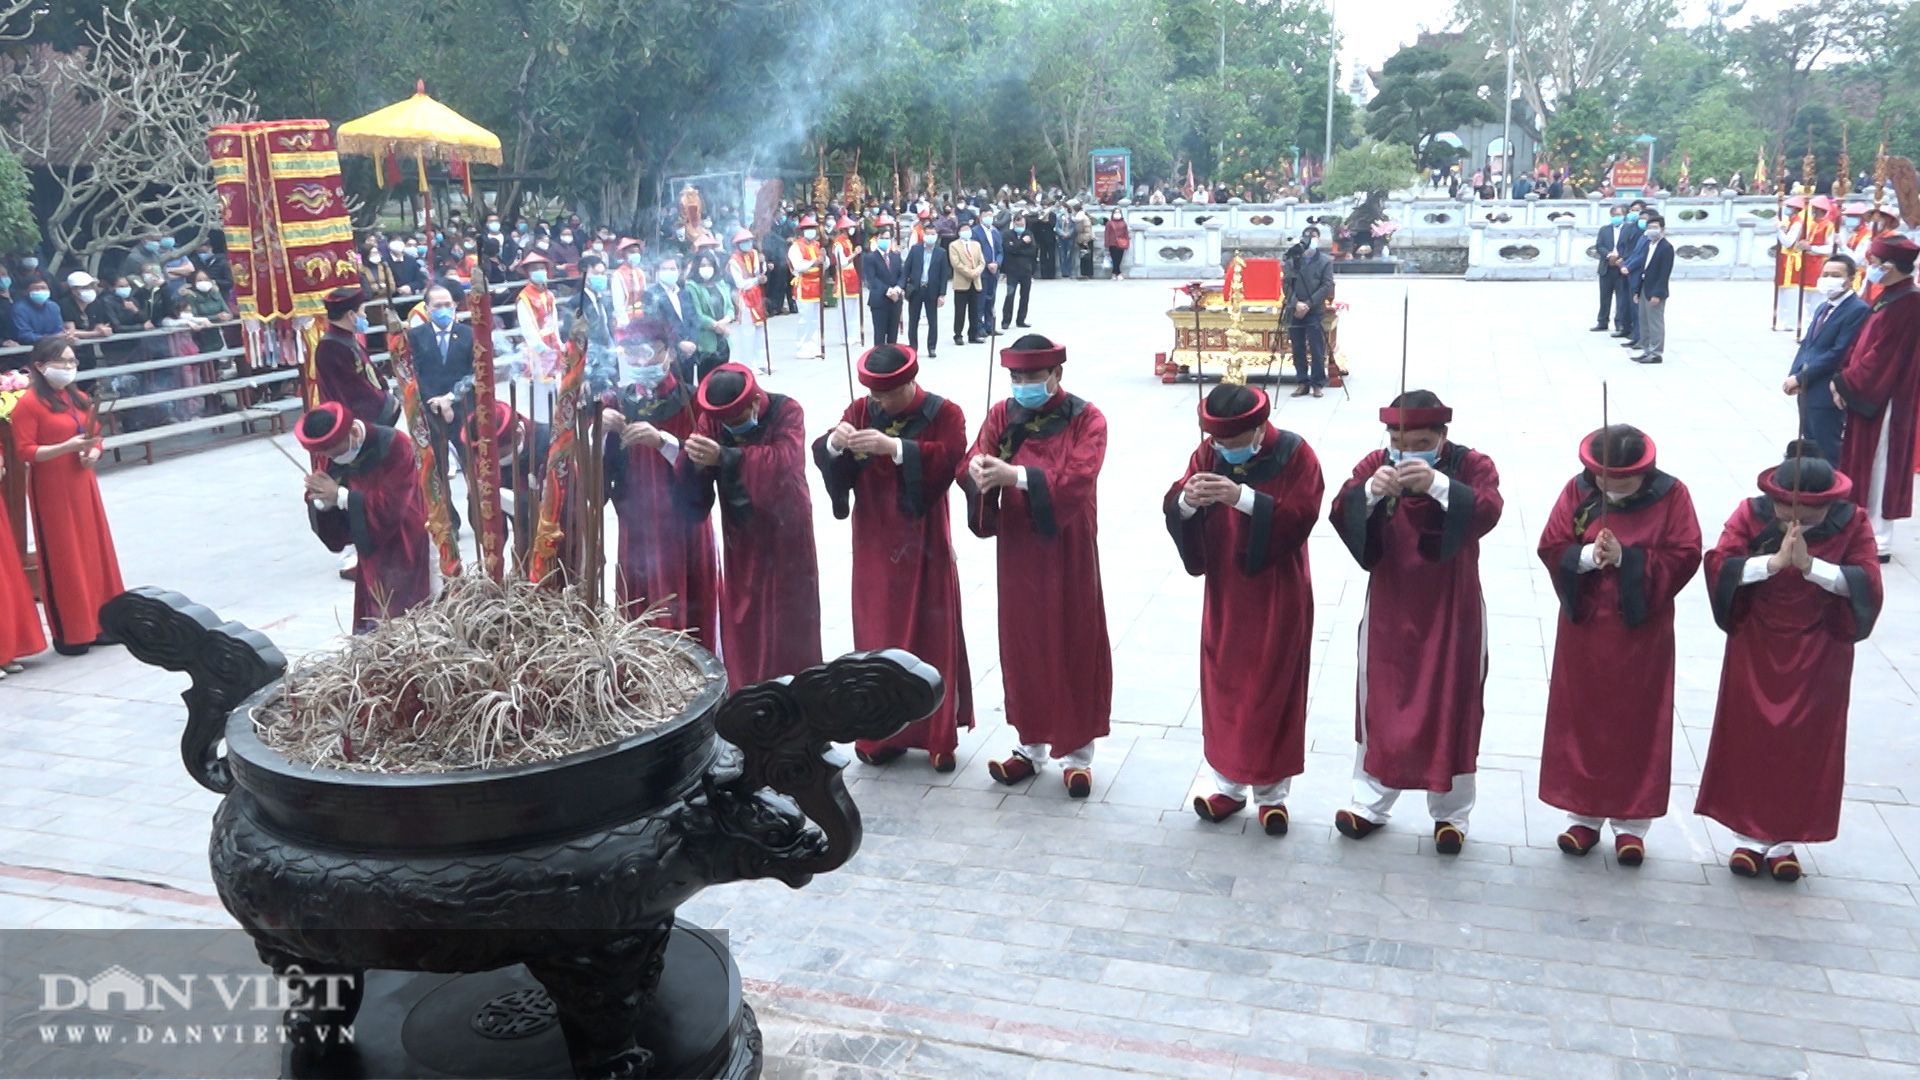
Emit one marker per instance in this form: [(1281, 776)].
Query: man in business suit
[(667, 301), (1626, 246), (1831, 331), (442, 349), (993, 248), (885, 276), (1023, 253), (1654, 255), (968, 263), (927, 274), (1309, 282), (1612, 279)]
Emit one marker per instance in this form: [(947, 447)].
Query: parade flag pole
[(846, 339), (993, 353), (1806, 231), (1406, 312), (1606, 463)]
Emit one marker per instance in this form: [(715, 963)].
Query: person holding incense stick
[(368, 497), (1796, 585), (748, 452), (1413, 514), (1620, 543), (889, 464)]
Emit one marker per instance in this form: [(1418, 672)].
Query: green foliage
[(1582, 137), (1420, 97), (1719, 137), (1371, 167), (19, 230)]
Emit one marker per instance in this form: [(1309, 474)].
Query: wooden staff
[(846, 340), (483, 475), (1806, 233), (1606, 469), (1199, 374), (993, 354)]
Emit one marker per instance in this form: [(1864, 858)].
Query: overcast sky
[(1375, 29)]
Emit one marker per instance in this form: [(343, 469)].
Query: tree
[(1719, 137), (120, 128), (1778, 57), (1420, 97), (1564, 47), (18, 229), (1374, 167), (1098, 79), (1583, 138)]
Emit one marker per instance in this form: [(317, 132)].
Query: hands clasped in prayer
[(1204, 489), (1793, 551), (990, 472), (845, 436), (1412, 476)]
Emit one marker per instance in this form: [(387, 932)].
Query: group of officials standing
[(1794, 578)]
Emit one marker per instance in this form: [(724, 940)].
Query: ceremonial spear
[(1606, 462), (1779, 211), (1806, 232)]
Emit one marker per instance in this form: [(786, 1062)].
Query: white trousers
[(745, 344), (1263, 794), (1038, 754), (1621, 826), (1374, 800), (1790, 310), (808, 342), (1765, 847), (1877, 490)]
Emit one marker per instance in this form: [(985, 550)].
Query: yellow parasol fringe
[(420, 128)]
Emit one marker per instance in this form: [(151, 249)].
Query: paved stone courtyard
[(992, 932)]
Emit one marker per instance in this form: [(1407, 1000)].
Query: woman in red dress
[(52, 428), (19, 619)]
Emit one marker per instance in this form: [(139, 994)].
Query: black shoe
[(1886, 557), (1618, 333), (1302, 390), (70, 650), (1022, 324), (976, 341), (931, 354), (1629, 344), (957, 341), (1602, 326), (1644, 359)]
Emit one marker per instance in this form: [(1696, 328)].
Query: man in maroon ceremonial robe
[(1240, 517), (341, 370), (1413, 515), (893, 455), (667, 558), (1621, 543), (1795, 584), (368, 496), (1030, 481), (1879, 387), (749, 446)]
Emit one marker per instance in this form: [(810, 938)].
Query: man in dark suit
[(1654, 255), (1308, 284), (667, 300), (994, 249), (1633, 238), (884, 275), (927, 275), (1612, 279), (1022, 259), (442, 349), (1831, 331)]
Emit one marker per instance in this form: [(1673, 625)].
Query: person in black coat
[(1022, 258), (1308, 285), (927, 274), (884, 274), (1046, 241), (1653, 258), (442, 350), (667, 300), (1831, 331), (1613, 277)]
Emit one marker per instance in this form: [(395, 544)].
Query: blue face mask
[(442, 317), (1235, 455), (650, 375), (166, 243), (1877, 274), (6, 282), (38, 296), (538, 277), (1429, 456), (1616, 219), (121, 291), (740, 428), (598, 282), (1031, 395), (361, 324)]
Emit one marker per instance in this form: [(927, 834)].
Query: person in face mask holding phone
[(1412, 515), (1620, 544), (367, 496), (666, 555), (1240, 518), (1831, 331), (54, 428)]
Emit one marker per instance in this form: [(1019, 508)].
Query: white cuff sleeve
[(669, 448), (1587, 560), (899, 450), (832, 450), (1757, 570), (1247, 499), (1187, 509), (340, 500), (1437, 491), (1372, 499), (1020, 480), (1827, 575)]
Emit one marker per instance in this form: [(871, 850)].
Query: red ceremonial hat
[(1795, 202), (889, 380), (1431, 416), (925, 214), (743, 234), (1895, 249), (344, 299), (845, 222), (1615, 468), (500, 430), (1842, 488), (1821, 202), (738, 405), (532, 257), (625, 243), (807, 222), (1226, 427), (884, 221), (325, 425), (1033, 359)]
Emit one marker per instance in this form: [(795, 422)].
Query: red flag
[(458, 170), (1033, 180), (1189, 178), (386, 171)]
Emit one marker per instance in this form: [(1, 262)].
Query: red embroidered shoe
[(1217, 807), (878, 757), (1447, 838), (1274, 819), (1011, 771), (941, 762), (1579, 839), (1784, 867), (1745, 862), (1352, 825), (1079, 783), (1630, 850)]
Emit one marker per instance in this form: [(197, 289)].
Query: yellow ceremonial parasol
[(422, 129)]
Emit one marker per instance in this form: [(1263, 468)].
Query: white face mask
[(1655, 232), (203, 286), (87, 295), (59, 377), (1836, 287), (348, 456)]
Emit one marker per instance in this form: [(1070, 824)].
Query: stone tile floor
[(985, 931)]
